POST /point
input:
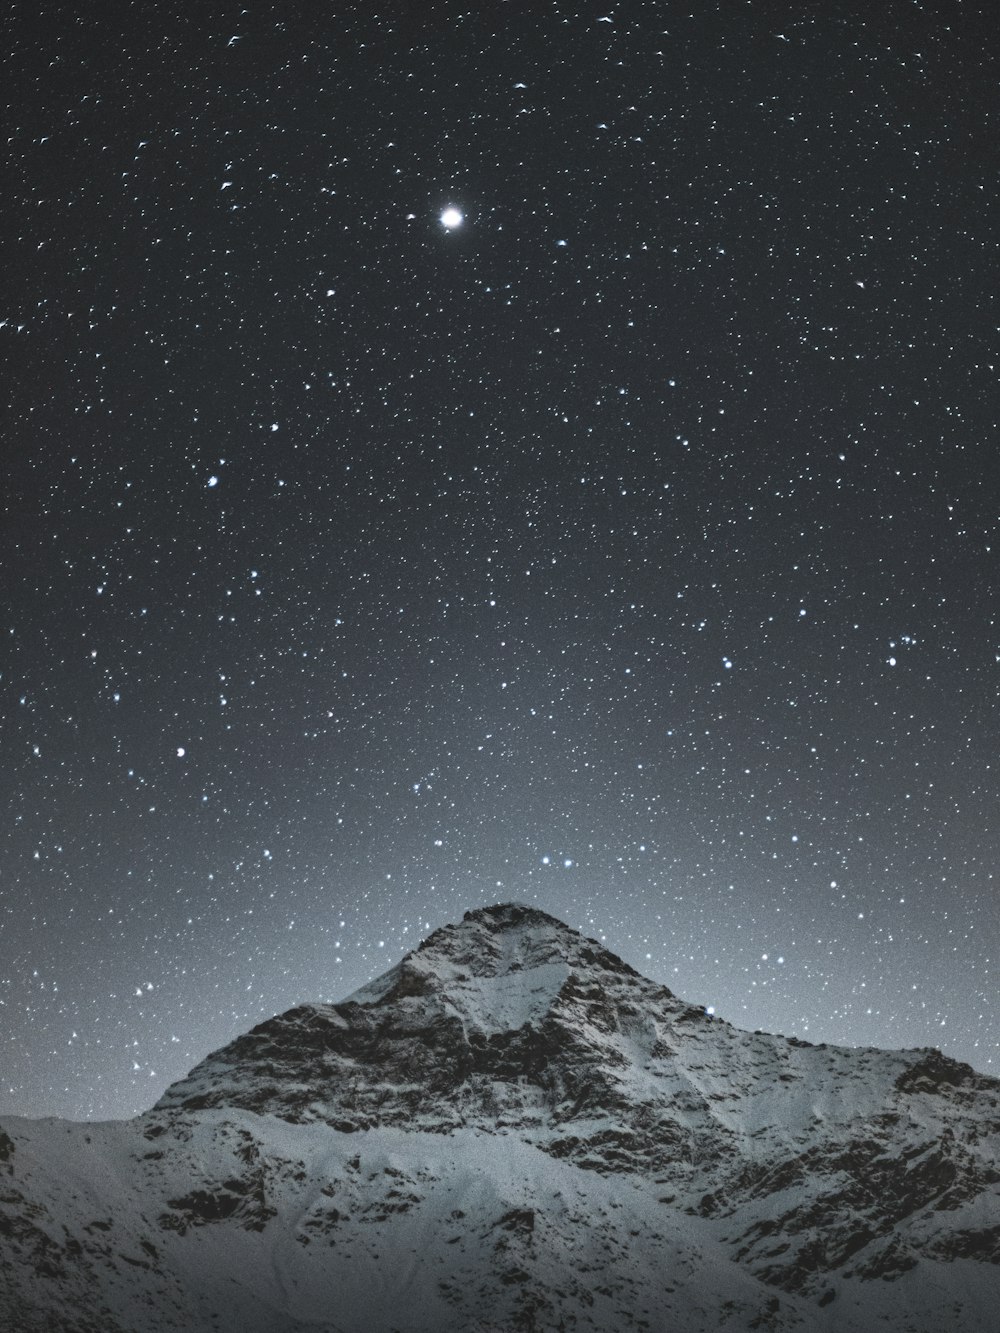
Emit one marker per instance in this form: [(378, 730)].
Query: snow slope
[(512, 1129)]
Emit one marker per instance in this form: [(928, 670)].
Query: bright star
[(451, 218)]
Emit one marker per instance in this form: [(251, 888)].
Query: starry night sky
[(629, 549)]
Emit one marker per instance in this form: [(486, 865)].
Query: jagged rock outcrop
[(514, 1129)]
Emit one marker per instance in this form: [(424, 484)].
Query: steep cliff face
[(514, 1129)]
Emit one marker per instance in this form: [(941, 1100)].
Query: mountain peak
[(487, 938), (546, 1129), (505, 983), (505, 915), (509, 922), (488, 944), (505, 920)]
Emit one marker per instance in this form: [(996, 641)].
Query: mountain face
[(512, 1129)]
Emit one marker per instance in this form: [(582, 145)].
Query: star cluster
[(460, 456)]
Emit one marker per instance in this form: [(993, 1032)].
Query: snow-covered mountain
[(512, 1129)]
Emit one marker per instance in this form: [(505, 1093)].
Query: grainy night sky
[(628, 548)]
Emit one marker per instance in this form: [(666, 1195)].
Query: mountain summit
[(513, 1129), (507, 1003)]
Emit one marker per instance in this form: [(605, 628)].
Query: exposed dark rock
[(935, 1072)]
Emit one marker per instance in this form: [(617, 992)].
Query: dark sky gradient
[(630, 550)]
